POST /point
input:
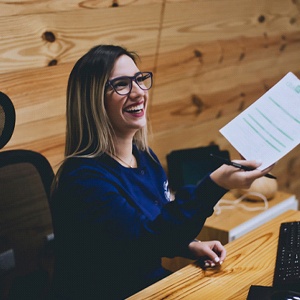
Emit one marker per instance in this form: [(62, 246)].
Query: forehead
[(124, 65)]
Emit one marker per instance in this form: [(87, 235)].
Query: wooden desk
[(231, 224), (250, 261)]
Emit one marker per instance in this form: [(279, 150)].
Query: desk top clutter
[(264, 186), (232, 223)]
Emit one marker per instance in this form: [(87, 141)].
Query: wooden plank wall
[(211, 59)]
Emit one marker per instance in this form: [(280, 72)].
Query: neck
[(123, 147), (123, 154)]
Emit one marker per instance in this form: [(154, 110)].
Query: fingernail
[(206, 264), (212, 264), (217, 259)]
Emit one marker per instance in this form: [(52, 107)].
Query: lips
[(134, 109)]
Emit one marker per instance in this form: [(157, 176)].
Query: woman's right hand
[(230, 177)]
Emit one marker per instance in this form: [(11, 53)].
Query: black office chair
[(7, 119), (26, 257)]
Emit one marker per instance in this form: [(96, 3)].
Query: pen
[(231, 163)]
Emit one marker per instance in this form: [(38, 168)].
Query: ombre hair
[(89, 132)]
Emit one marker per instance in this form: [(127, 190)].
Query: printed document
[(270, 127)]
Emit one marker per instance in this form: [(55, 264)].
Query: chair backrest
[(25, 223), (7, 119), (26, 233)]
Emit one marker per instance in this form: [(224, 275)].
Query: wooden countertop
[(234, 217), (250, 261)]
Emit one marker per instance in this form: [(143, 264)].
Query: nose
[(136, 89)]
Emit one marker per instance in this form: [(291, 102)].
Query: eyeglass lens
[(123, 85)]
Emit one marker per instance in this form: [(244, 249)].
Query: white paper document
[(269, 128)]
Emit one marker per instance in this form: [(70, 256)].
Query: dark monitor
[(188, 166)]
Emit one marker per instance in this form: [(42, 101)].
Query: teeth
[(133, 108)]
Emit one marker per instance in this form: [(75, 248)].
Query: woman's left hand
[(212, 252)]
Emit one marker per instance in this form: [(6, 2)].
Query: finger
[(251, 175), (249, 163), (213, 257), (222, 255), (220, 250), (208, 263)]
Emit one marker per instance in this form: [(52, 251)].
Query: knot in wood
[(49, 36)]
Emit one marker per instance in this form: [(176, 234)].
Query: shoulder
[(77, 174), (146, 155), (74, 163), (75, 167)]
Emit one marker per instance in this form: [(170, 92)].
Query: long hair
[(89, 131)]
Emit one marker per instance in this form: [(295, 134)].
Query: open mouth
[(135, 109)]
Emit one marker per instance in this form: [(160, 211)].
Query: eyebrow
[(125, 76)]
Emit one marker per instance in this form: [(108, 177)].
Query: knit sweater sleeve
[(184, 218), (93, 202)]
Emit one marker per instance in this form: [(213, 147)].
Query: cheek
[(110, 111), (107, 105), (110, 103), (109, 108), (113, 106)]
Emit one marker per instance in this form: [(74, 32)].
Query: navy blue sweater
[(113, 224)]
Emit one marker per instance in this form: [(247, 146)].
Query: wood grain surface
[(250, 261), (211, 59)]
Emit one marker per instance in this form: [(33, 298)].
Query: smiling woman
[(126, 102), (112, 214)]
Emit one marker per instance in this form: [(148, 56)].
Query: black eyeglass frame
[(132, 78)]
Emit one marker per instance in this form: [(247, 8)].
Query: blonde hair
[(89, 132)]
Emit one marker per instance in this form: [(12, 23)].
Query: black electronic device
[(285, 295), (188, 166), (287, 265), (286, 280), (259, 292)]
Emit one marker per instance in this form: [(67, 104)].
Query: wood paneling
[(25, 7), (226, 54), (39, 40), (211, 59)]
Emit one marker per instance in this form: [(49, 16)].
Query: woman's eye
[(141, 78), (120, 84)]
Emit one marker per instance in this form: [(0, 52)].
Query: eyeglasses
[(123, 85)]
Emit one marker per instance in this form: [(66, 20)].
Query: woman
[(112, 213)]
